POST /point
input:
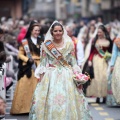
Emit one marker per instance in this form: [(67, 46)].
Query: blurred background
[(65, 10)]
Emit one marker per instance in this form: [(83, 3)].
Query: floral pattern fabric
[(116, 80), (110, 100), (56, 97)]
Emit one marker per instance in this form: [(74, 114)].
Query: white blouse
[(34, 40)]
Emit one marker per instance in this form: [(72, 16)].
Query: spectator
[(2, 107)]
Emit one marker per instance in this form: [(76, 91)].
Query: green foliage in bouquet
[(107, 55)]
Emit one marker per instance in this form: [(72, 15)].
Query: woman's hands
[(41, 76)]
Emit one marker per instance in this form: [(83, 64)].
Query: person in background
[(2, 50), (21, 35), (2, 108), (5, 59), (110, 31), (110, 100), (77, 45), (2, 61), (115, 69), (26, 81), (82, 35), (102, 45), (99, 22)]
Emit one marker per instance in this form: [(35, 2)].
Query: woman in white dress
[(56, 96)]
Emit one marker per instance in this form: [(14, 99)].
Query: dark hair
[(31, 27), (107, 36), (1, 31), (44, 29), (53, 26)]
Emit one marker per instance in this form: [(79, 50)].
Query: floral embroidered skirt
[(57, 98), (110, 100), (116, 80)]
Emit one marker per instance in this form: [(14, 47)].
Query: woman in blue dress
[(115, 66), (56, 96)]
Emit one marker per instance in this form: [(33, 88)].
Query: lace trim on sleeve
[(39, 70)]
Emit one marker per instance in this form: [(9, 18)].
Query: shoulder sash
[(106, 55), (27, 50), (53, 50)]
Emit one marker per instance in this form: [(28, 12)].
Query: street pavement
[(99, 112), (102, 111)]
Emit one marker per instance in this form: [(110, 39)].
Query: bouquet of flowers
[(80, 78), (107, 56)]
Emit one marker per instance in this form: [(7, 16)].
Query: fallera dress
[(115, 80), (56, 97), (98, 86), (25, 86)]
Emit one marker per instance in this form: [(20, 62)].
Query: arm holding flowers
[(78, 77)]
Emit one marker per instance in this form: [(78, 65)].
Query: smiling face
[(100, 33), (57, 32), (35, 32)]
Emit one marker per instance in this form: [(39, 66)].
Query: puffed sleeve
[(92, 53), (71, 59), (42, 66), (21, 54)]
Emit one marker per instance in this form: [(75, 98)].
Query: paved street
[(103, 112), (99, 112)]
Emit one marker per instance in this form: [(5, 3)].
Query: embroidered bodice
[(48, 61), (102, 44), (99, 45)]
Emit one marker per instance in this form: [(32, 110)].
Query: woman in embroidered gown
[(110, 100), (115, 66), (101, 44), (56, 96), (26, 81)]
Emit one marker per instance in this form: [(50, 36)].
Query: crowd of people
[(45, 88)]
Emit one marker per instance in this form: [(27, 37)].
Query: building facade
[(11, 8), (107, 9), (56, 9)]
